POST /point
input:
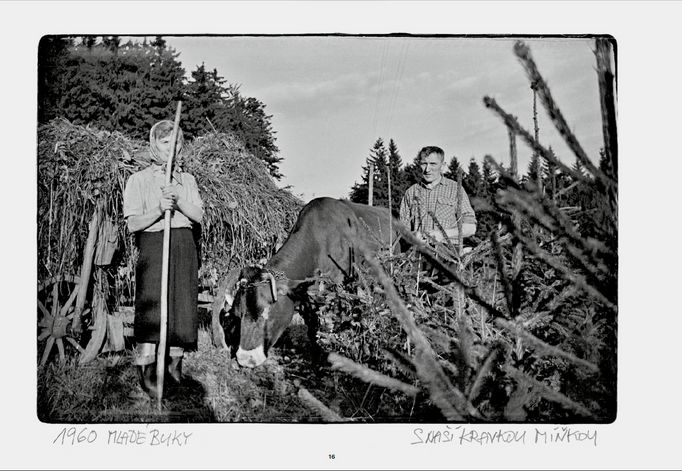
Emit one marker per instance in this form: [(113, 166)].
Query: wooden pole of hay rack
[(163, 321), (370, 187)]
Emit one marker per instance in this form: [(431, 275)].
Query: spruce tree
[(129, 88), (360, 191), (203, 96), (379, 156), (246, 117), (412, 172), (53, 54), (89, 41), (473, 180), (488, 179), (487, 221), (549, 174), (399, 182), (534, 171), (453, 168), (112, 43)]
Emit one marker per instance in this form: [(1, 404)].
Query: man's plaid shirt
[(419, 202)]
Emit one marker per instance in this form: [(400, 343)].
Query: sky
[(331, 97)]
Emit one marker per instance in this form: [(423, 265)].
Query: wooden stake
[(163, 322), (86, 270), (370, 189), (390, 215), (460, 239)]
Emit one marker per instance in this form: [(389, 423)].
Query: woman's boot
[(147, 375), (175, 369)]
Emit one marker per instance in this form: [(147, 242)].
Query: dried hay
[(79, 168)]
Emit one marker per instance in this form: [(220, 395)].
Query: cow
[(327, 239)]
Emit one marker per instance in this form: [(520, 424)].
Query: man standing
[(436, 195)]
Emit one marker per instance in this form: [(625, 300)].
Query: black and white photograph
[(368, 238), (365, 245)]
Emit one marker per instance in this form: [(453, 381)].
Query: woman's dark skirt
[(182, 288)]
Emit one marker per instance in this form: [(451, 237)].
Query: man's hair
[(428, 150)]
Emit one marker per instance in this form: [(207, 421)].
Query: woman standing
[(145, 200)]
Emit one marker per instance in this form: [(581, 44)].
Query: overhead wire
[(380, 82), (398, 83)]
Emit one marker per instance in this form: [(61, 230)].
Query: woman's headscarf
[(159, 131)]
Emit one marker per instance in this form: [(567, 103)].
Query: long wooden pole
[(86, 270), (370, 188), (163, 323)]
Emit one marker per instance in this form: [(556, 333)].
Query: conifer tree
[(534, 170), (246, 117), (452, 169), (578, 167), (549, 174), (399, 183), (203, 97), (89, 41), (489, 179), (111, 43), (412, 172), (159, 43), (473, 181), (360, 191), (130, 87), (487, 221), (53, 53), (379, 157)]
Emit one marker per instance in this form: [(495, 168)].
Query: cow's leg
[(309, 313), (221, 304), (231, 326)]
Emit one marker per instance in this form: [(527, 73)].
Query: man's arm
[(468, 216), (468, 229)]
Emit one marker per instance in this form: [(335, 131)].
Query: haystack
[(246, 214), (83, 171)]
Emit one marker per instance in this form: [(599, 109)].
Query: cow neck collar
[(279, 275)]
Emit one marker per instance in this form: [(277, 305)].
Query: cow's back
[(326, 237), (319, 240), (375, 226)]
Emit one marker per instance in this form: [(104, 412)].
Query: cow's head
[(263, 302)]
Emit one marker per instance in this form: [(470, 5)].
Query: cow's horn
[(273, 286)]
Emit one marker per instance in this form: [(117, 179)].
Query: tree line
[(128, 87), (481, 183)]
